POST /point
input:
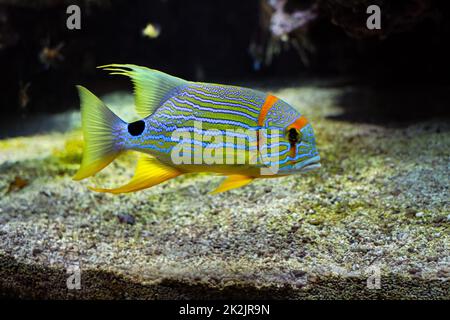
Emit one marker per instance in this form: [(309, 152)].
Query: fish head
[(293, 150)]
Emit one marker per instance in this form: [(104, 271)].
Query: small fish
[(50, 56), (200, 123), (24, 96), (151, 31)]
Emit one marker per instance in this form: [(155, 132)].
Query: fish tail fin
[(99, 125)]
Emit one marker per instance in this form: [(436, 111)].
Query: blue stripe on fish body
[(220, 108)]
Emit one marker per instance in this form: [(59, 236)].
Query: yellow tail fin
[(99, 125)]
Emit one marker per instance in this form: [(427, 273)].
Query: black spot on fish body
[(136, 128)]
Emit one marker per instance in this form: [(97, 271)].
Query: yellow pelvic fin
[(232, 182), (149, 172)]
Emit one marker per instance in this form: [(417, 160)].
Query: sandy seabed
[(373, 222)]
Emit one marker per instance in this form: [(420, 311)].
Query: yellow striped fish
[(195, 127)]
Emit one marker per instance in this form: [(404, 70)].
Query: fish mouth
[(308, 165)]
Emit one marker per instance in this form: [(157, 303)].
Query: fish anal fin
[(232, 182), (149, 172)]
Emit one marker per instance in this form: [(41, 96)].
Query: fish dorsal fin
[(149, 172), (150, 86), (232, 182)]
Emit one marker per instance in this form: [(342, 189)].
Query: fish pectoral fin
[(149, 172), (232, 182)]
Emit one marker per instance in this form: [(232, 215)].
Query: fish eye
[(136, 128), (294, 135)]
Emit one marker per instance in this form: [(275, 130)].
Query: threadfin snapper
[(233, 131)]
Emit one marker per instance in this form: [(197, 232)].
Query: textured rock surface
[(380, 201)]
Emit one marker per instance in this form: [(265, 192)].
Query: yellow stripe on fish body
[(196, 127)]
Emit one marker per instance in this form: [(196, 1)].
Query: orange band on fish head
[(299, 123), (267, 105)]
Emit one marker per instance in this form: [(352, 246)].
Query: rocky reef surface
[(373, 222)]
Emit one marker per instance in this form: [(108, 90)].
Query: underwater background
[(373, 222)]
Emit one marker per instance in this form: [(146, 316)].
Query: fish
[(24, 96), (50, 56), (185, 127), (151, 31)]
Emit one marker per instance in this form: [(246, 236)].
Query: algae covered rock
[(372, 223)]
